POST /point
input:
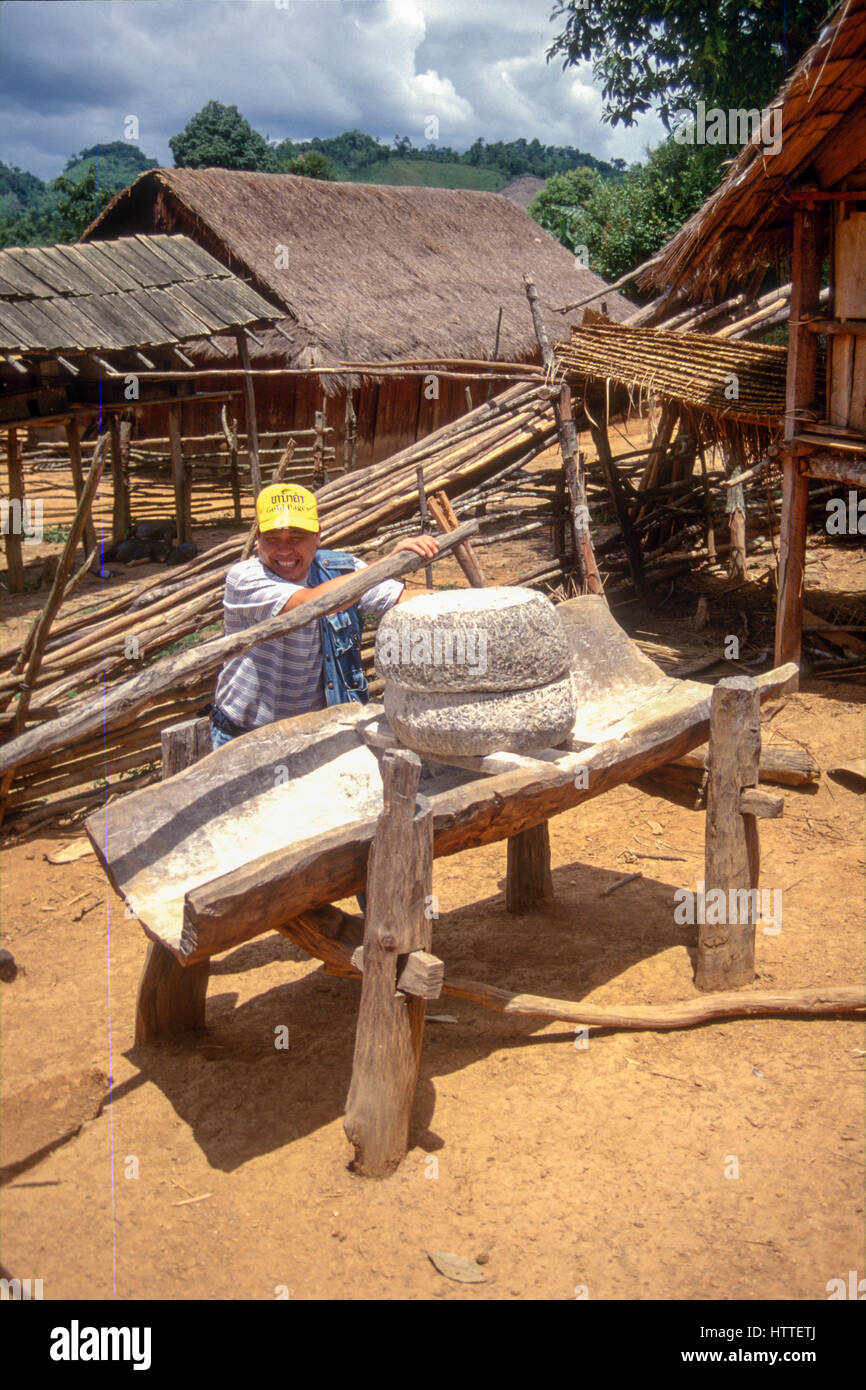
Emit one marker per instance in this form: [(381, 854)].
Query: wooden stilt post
[(252, 424), (120, 483), (181, 492), (614, 485), (231, 438), (726, 947), (171, 997), (800, 394), (528, 880), (390, 1019), (14, 520), (73, 443), (319, 449), (572, 462)]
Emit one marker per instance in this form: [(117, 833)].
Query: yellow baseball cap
[(284, 505)]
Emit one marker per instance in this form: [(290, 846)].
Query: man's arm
[(426, 546)]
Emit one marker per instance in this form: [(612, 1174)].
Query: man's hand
[(425, 546)]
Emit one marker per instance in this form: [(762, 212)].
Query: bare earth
[(721, 1162)]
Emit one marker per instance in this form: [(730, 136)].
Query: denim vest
[(345, 682)]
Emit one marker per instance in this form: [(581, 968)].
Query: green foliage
[(623, 221), (312, 165), (654, 53), (79, 201), (33, 213), (218, 137)]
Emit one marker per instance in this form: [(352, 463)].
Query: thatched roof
[(731, 381), (366, 272), (746, 222)]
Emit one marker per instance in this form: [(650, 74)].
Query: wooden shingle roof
[(133, 292)]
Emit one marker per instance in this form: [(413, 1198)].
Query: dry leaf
[(456, 1267)]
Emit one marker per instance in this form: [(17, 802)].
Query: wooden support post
[(572, 463), (181, 493), (319, 449), (800, 395), (73, 444), (252, 424), (120, 516), (171, 997), (735, 506), (726, 948), (614, 484), (391, 1022), (14, 519), (231, 437), (528, 880)]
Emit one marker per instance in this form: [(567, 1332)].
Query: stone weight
[(474, 723), (458, 640)]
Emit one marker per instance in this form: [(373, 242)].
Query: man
[(318, 664)]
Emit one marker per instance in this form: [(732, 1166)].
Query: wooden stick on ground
[(332, 936)]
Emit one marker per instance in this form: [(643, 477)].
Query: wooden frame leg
[(391, 1020), (527, 877), (171, 997), (726, 947)]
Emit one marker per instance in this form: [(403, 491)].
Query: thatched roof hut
[(365, 273)]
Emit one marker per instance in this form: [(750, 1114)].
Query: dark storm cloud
[(72, 71)]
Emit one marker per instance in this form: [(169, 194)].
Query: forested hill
[(34, 213)]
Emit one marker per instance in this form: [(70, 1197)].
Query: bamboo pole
[(39, 632)]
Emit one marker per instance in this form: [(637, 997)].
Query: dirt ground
[(725, 1161)]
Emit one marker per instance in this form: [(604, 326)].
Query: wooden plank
[(15, 269), (726, 949), (109, 260), (83, 270)]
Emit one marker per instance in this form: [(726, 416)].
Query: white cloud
[(70, 72)]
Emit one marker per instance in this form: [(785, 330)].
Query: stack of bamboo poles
[(118, 638), (742, 382)]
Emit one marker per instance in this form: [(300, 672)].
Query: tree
[(218, 137), (623, 221), (312, 165), (561, 200), (79, 201), (729, 53)]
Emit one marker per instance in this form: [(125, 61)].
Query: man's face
[(289, 553)]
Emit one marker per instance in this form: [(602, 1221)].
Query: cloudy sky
[(71, 71)]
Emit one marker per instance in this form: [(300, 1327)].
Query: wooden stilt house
[(800, 203)]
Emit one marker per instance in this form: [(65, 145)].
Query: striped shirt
[(284, 676)]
